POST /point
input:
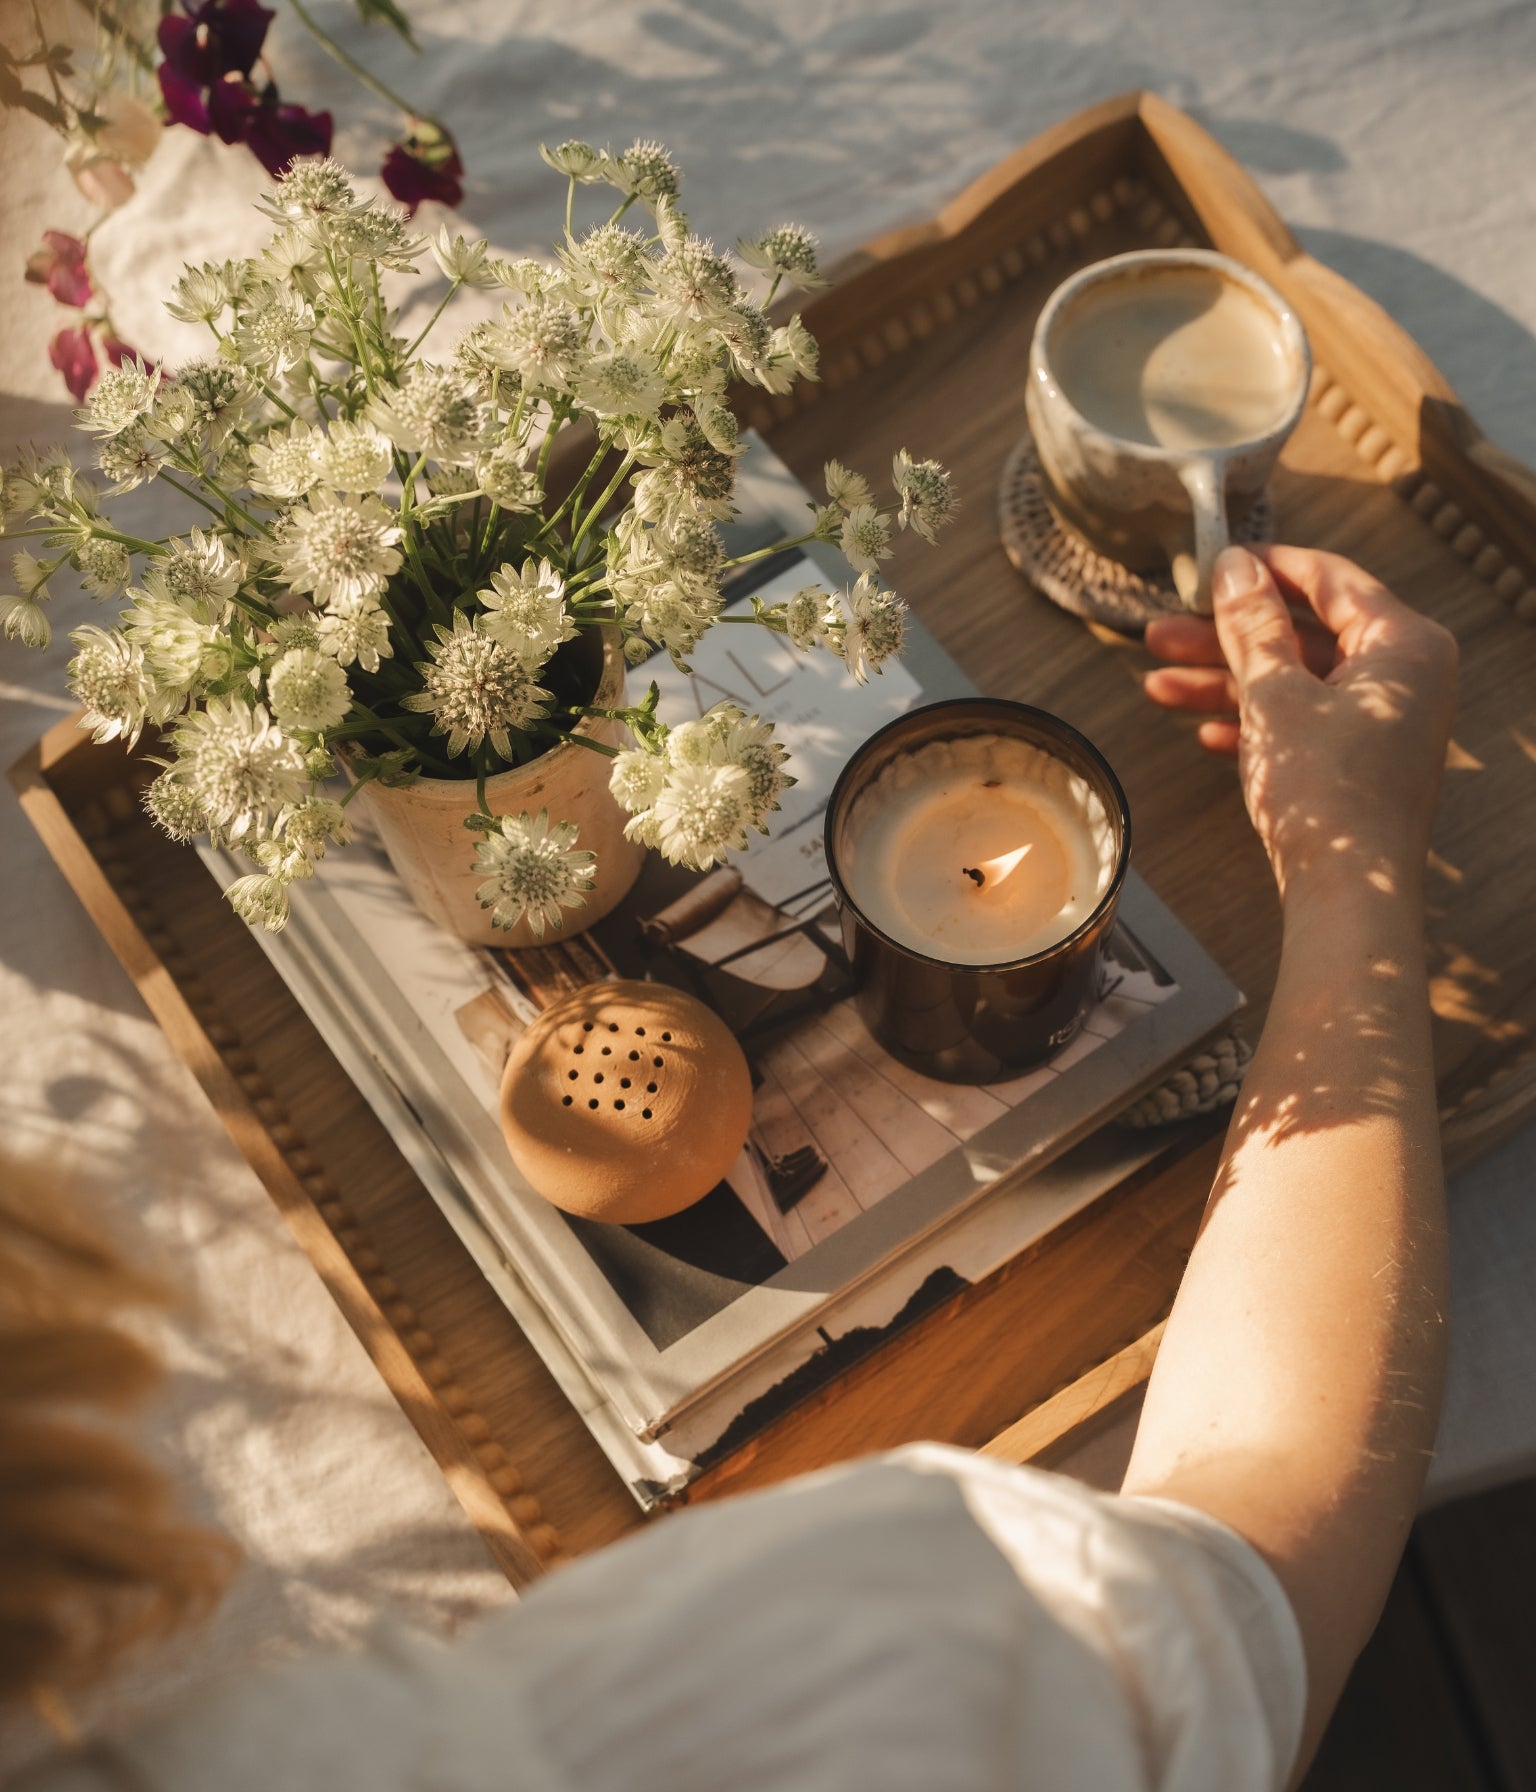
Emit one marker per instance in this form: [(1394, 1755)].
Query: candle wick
[(979, 878)]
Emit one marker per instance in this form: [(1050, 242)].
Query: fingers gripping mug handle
[(1204, 480)]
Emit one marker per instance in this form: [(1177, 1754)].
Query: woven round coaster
[(1061, 565), (1210, 1080)]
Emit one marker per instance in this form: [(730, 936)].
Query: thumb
[(1252, 621)]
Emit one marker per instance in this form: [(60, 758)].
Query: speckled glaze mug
[(1162, 386)]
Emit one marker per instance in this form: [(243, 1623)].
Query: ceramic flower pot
[(422, 824)]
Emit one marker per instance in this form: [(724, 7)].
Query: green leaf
[(387, 13)]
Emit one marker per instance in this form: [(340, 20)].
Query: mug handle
[(1204, 479)]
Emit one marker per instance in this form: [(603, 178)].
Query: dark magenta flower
[(202, 44), (60, 266), (277, 135), (117, 352), (424, 164), (204, 48), (71, 352)]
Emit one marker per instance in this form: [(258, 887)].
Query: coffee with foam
[(1177, 358)]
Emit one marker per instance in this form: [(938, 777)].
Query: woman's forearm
[(1297, 1388)]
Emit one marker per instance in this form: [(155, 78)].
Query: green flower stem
[(603, 502), (570, 203), (109, 22), (195, 496), (135, 542), (426, 328), (779, 547), (766, 619), (481, 770), (352, 66), (375, 724), (574, 495), (586, 740), (557, 415)]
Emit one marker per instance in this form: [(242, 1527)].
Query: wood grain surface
[(924, 340)]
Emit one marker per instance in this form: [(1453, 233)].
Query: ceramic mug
[(1162, 386)]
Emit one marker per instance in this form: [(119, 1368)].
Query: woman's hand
[(1339, 714)]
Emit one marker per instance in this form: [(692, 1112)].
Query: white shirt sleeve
[(928, 1621)]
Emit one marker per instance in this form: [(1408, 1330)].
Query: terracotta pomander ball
[(626, 1102)]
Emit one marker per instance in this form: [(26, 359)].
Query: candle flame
[(993, 871)]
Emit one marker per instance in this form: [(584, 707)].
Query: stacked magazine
[(865, 1193)]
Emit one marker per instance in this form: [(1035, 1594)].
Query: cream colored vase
[(422, 825)]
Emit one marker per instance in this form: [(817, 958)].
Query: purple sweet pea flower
[(71, 352), (424, 164), (117, 352), (277, 135), (217, 38), (60, 266), (202, 48)]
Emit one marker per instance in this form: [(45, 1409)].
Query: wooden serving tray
[(924, 338)]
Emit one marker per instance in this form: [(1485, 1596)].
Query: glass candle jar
[(977, 849)]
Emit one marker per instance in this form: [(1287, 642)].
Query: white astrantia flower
[(475, 689), (865, 538), (805, 616), (461, 260), (313, 187), (702, 814), (275, 328), (544, 342), (476, 367), (25, 622), (353, 457), (291, 258), (355, 629), (622, 383), (788, 252), (373, 232), (27, 571), (575, 159), (926, 493), (302, 832), (636, 778), (718, 425), (338, 547), (121, 397), (111, 684), (224, 397), (847, 490), (308, 691), (239, 765), (203, 293), (285, 462), (526, 611), (174, 808), (182, 649), (606, 267), (794, 347), (695, 284), (104, 566), (525, 275), (748, 741), (506, 481), (174, 418), (431, 413), (261, 899), (199, 569), (301, 629), (533, 869), (39, 482), (644, 170), (685, 475), (131, 459), (748, 339), (874, 629)]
